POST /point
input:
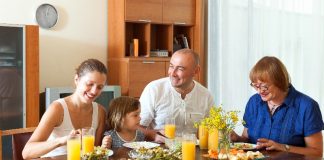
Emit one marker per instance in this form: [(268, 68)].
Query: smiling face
[(89, 86), (266, 90), (131, 120), (270, 73), (182, 70)]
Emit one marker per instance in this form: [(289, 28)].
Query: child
[(123, 120)]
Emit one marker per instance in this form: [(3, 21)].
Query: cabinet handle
[(148, 62), (179, 23), (144, 20)]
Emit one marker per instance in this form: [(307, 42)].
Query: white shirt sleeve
[(147, 106)]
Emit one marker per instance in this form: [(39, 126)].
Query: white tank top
[(66, 126)]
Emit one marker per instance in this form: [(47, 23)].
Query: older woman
[(279, 117)]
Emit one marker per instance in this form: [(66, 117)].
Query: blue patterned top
[(117, 141), (298, 117)]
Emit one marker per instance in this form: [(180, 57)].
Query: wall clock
[(46, 16)]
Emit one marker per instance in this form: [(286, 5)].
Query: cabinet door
[(179, 11), (143, 72), (143, 10)]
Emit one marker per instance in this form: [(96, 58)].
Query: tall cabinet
[(19, 76), (158, 25)]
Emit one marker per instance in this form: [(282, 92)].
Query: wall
[(81, 33)]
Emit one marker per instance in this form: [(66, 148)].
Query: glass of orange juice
[(213, 139), (88, 140), (189, 147), (203, 137), (170, 128), (74, 147)]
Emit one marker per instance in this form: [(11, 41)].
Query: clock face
[(46, 16)]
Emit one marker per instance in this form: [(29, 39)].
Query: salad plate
[(145, 144), (98, 153), (244, 146)]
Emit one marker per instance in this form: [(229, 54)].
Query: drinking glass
[(203, 137), (88, 139), (189, 147), (170, 128), (74, 147), (213, 140)]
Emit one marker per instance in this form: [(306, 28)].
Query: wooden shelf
[(155, 23)]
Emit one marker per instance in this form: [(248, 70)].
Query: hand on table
[(269, 145)]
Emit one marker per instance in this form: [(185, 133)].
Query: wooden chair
[(20, 137)]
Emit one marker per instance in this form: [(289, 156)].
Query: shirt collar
[(291, 96), (188, 95)]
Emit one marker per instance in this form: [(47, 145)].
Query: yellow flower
[(220, 119)]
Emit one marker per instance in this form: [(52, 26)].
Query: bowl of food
[(140, 153), (98, 153)]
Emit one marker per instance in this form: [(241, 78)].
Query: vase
[(223, 144)]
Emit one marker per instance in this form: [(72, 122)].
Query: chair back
[(20, 137)]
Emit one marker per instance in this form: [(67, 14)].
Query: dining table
[(122, 154)]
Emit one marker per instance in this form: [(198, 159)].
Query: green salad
[(98, 154)]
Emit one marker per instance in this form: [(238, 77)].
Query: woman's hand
[(269, 145), (234, 137), (106, 142), (63, 140)]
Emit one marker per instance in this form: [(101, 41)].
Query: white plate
[(110, 152), (244, 146), (102, 152), (136, 145)]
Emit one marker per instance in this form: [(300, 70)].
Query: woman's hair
[(91, 65), (271, 69), (118, 108)]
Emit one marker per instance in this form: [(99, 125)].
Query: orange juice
[(213, 140), (203, 137), (188, 150), (74, 149), (169, 130), (87, 143)]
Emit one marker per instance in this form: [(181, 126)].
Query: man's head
[(184, 65)]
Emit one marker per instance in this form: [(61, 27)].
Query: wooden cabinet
[(143, 10), (179, 11), (19, 76), (133, 74), (142, 72), (157, 24)]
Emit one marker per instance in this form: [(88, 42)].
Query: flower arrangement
[(223, 121), (220, 119)]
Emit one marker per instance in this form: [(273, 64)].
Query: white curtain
[(240, 32)]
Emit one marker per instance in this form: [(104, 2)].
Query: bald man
[(178, 96)]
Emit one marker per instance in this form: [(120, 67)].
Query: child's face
[(132, 120)]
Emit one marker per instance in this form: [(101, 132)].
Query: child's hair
[(91, 65), (118, 108)]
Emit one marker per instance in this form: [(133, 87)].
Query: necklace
[(273, 107)]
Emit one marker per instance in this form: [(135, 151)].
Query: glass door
[(11, 81)]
